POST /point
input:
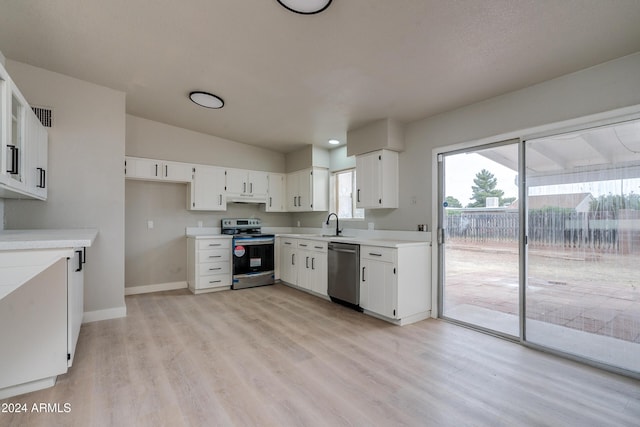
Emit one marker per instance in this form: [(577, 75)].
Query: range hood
[(246, 198)]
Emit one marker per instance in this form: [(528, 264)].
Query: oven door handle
[(250, 242)]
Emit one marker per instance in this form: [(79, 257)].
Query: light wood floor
[(279, 357)]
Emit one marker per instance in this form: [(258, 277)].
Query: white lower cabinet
[(303, 263), (288, 266), (75, 299), (34, 332), (208, 264), (312, 267), (395, 282)]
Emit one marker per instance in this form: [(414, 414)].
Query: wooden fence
[(547, 228)]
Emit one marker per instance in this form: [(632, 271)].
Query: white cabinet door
[(288, 266), (16, 139), (305, 274), (377, 180), (378, 289), (378, 280), (319, 282), (5, 129), (176, 171), (293, 182), (75, 300), (241, 182), (157, 170), (308, 190), (258, 183), (236, 181), (207, 189), (276, 201), (304, 190), (365, 180), (37, 157), (147, 169)]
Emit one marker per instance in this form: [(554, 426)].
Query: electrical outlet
[(149, 224)]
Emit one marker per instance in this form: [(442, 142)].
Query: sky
[(461, 170)]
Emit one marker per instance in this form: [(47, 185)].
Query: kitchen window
[(343, 185)]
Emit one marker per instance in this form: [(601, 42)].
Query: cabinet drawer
[(210, 268), (214, 281), (286, 242), (377, 253), (214, 244), (317, 246), (214, 255)]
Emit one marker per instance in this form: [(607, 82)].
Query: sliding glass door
[(479, 238), (540, 241), (583, 214)]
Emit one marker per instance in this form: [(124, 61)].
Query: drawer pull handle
[(214, 269), (287, 243), (318, 247), (215, 281), (374, 254), (215, 256), (304, 246), (215, 244)]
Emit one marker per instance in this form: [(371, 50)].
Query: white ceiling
[(290, 79)]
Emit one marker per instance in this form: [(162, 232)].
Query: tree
[(485, 186), (452, 202)]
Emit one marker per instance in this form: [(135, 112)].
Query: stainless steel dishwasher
[(344, 274)]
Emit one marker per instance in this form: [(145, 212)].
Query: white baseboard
[(27, 387), (145, 289), (109, 313)]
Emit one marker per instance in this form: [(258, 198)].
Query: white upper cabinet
[(245, 184), (308, 190), (276, 202), (23, 145), (37, 180), (377, 180), (157, 170), (207, 190)]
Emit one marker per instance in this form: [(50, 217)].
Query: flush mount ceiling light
[(206, 99), (305, 7), (334, 142)]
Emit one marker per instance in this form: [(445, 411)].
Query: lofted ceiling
[(289, 80)]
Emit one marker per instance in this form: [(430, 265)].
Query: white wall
[(147, 138), (159, 255), (609, 86), (86, 182)]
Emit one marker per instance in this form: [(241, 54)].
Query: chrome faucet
[(338, 231)]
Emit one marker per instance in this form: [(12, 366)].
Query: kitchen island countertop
[(46, 239)]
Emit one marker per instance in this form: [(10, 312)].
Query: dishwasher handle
[(347, 251)]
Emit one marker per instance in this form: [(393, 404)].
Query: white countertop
[(359, 240), (46, 239), (26, 253), (382, 238)]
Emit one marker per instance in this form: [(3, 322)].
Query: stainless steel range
[(252, 252)]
